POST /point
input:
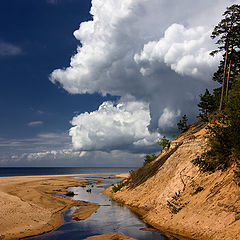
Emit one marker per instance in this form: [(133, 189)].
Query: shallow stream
[(111, 217)]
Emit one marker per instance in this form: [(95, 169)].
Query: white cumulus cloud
[(168, 118), (186, 51), (120, 126), (153, 50), (104, 61)]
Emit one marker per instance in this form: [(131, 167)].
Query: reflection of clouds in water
[(107, 219)]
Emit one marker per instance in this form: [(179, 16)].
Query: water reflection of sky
[(111, 217)]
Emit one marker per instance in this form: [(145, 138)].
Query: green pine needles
[(222, 108), (163, 142), (223, 135)]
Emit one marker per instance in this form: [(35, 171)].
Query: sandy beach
[(29, 206)]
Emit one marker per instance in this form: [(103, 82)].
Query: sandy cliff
[(172, 195)]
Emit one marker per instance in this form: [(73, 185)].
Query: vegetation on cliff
[(221, 109)]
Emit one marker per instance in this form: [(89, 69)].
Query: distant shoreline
[(41, 171)]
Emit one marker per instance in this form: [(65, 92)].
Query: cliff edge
[(172, 195)]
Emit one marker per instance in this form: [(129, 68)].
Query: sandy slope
[(28, 207), (213, 213)]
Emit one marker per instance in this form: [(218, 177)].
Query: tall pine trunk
[(223, 82), (228, 76)]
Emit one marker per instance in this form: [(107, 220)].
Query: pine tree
[(233, 116), (228, 33), (182, 124), (206, 105), (224, 130), (163, 142)]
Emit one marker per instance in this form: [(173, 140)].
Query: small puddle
[(111, 217)]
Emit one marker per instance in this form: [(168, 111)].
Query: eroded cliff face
[(171, 194)]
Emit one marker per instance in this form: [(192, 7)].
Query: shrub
[(117, 186), (176, 203), (163, 142), (199, 189), (149, 158), (211, 162), (237, 174), (70, 194)]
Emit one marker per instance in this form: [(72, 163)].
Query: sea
[(32, 171)]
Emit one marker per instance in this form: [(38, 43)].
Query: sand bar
[(84, 212), (29, 206), (113, 236), (123, 175)]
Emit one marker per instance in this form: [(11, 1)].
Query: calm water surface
[(29, 171), (111, 217)]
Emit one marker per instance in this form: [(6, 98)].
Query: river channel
[(111, 217)]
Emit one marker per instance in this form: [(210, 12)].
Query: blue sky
[(38, 38), (43, 33), (116, 84)]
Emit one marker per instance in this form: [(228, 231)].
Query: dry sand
[(113, 236), (28, 206)]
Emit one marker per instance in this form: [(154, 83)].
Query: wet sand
[(113, 236), (122, 175), (84, 212), (30, 206)]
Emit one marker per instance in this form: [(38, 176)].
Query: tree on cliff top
[(228, 33), (224, 127)]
